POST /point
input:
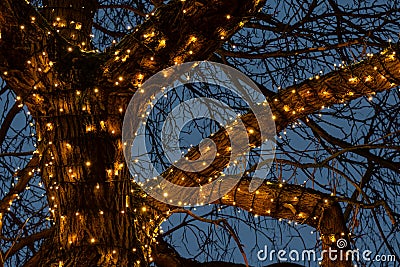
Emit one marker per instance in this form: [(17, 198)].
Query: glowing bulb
[(193, 39)]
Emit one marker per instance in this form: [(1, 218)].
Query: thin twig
[(127, 7), (221, 222)]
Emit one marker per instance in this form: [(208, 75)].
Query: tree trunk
[(100, 217)]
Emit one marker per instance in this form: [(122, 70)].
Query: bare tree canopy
[(329, 71)]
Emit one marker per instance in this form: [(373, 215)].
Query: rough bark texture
[(295, 203), (72, 19)]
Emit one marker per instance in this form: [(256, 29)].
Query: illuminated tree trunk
[(100, 217)]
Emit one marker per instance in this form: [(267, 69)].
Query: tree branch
[(72, 19), (371, 76), (113, 34), (223, 223), (362, 151), (26, 43), (296, 203), (179, 31), (27, 241), (127, 7), (281, 53), (25, 175), (17, 154), (5, 126), (167, 256)]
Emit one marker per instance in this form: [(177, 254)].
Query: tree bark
[(72, 19), (298, 204)]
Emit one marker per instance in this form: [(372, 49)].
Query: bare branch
[(107, 31), (16, 108), (166, 256), (127, 7), (224, 224), (26, 241), (16, 154), (362, 150), (25, 175), (258, 55)]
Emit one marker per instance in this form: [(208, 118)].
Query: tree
[(347, 117)]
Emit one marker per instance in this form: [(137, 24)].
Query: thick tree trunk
[(100, 217)]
